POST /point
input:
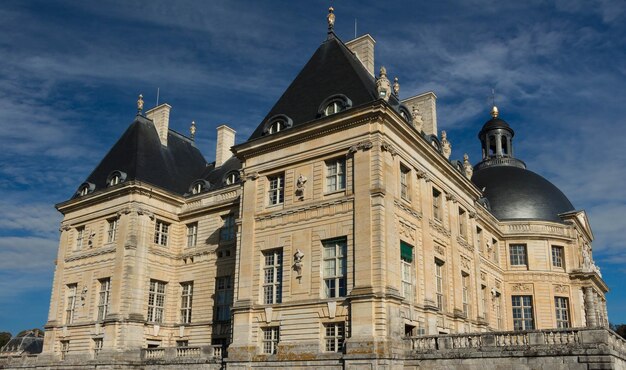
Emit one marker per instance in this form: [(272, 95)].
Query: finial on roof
[(418, 123), (396, 86), (192, 129), (468, 169), (383, 87), (140, 104), (446, 146), (494, 112), (331, 19)]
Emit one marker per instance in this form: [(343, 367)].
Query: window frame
[(70, 302), (462, 223), (272, 276), (270, 337), (156, 310), (562, 312), (223, 297), (276, 189), (228, 231), (524, 308), (516, 257), (65, 349), (192, 234), (161, 232), (334, 336), (98, 344), (405, 182), (80, 238), (335, 283), (186, 301), (558, 259), (437, 206), (113, 224), (466, 293), (335, 175), (440, 284), (104, 298), (407, 273)]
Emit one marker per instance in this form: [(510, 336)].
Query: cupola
[(496, 138)]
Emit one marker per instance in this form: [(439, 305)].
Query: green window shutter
[(406, 251)]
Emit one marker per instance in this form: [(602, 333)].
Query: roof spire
[(139, 104), (331, 19), (192, 130), (494, 112)]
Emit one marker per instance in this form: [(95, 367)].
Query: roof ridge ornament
[(192, 130), (396, 87), (383, 87), (331, 19), (139, 104), (494, 112)]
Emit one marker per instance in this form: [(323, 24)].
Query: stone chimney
[(160, 116), (363, 48), (225, 140)]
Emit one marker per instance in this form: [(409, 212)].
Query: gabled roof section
[(333, 69), (139, 154)]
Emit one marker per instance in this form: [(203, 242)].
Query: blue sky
[(70, 73)]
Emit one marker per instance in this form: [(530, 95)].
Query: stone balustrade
[(513, 339), (166, 354)]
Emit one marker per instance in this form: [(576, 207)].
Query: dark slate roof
[(493, 124), (141, 156), (519, 194), (333, 69)]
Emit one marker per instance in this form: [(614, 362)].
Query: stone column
[(498, 145), (590, 309)]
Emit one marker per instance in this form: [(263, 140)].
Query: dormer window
[(115, 178), (85, 188), (405, 113), (199, 186), (231, 178), (334, 104), (277, 124)]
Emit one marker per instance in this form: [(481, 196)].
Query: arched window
[(334, 104), (231, 177), (115, 178), (404, 113), (85, 188), (277, 124), (199, 186), (197, 189)]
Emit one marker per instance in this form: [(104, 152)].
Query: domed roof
[(519, 194), (495, 123)]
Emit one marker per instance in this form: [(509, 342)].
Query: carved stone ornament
[(363, 145), (468, 169), (483, 276), (418, 122), (407, 230), (465, 262), (300, 186), (422, 175), (451, 197), (248, 176), (123, 211), (439, 249), (521, 287), (561, 289), (64, 228), (90, 239), (383, 87), (388, 148), (297, 262), (446, 147), (472, 214), (141, 212), (498, 284)]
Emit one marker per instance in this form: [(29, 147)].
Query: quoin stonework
[(341, 234)]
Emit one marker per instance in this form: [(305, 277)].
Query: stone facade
[(349, 241)]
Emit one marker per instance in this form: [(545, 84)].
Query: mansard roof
[(332, 70), (140, 156)]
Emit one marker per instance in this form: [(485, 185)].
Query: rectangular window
[(557, 256), (334, 336), (80, 236), (272, 276), (70, 303), (112, 230), (494, 248), (335, 175), (271, 337), (182, 343), (335, 269), (65, 348), (466, 294), (483, 301), (406, 262), (405, 177), (186, 299), (227, 232), (436, 204), (479, 239), (497, 307), (223, 298), (192, 234), (103, 298), (518, 254), (276, 189), (561, 305), (462, 223), (97, 345), (161, 230), (522, 312), (439, 283), (156, 301)]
